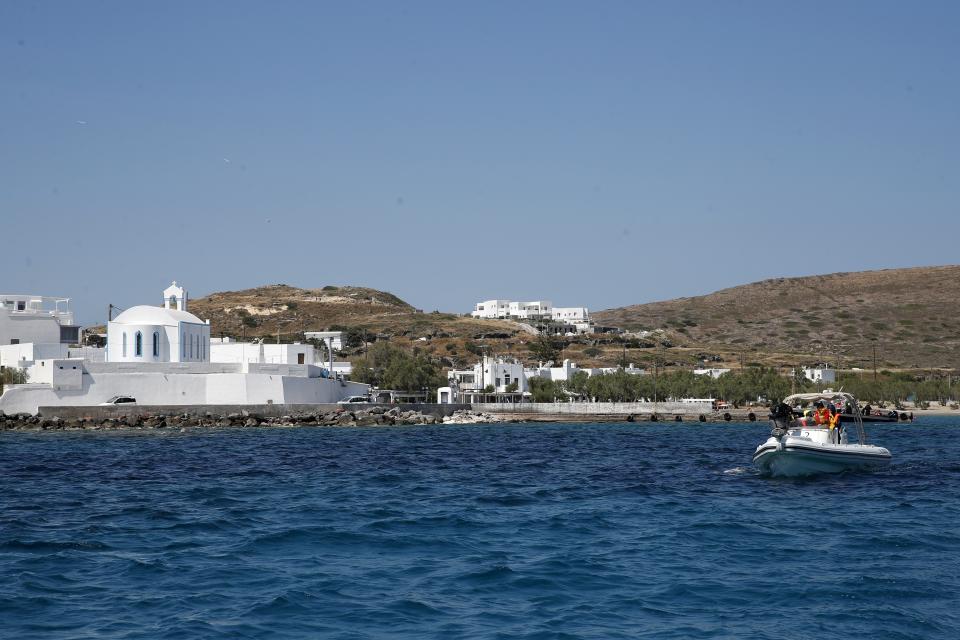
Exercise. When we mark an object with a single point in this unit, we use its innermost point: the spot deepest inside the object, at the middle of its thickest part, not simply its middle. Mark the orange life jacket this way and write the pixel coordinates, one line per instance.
(821, 416)
(834, 420)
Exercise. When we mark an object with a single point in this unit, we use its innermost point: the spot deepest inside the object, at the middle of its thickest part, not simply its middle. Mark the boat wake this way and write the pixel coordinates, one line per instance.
(737, 471)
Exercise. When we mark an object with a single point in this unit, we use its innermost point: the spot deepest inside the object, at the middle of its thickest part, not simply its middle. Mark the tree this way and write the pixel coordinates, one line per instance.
(390, 367)
(578, 383)
(12, 375)
(543, 390)
(546, 348)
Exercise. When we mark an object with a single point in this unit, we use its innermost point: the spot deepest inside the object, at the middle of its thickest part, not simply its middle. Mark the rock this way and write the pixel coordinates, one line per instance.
(251, 422)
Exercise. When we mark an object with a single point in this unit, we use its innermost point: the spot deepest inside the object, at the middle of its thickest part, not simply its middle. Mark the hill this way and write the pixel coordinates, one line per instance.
(263, 311)
(911, 316)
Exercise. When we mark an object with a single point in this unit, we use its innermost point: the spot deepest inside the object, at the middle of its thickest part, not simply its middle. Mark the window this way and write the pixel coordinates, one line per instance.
(156, 344)
(14, 340)
(124, 344)
(191, 347)
(183, 345)
(138, 345)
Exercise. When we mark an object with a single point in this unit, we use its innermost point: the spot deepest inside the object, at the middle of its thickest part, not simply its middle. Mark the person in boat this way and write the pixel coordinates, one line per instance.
(834, 420)
(821, 415)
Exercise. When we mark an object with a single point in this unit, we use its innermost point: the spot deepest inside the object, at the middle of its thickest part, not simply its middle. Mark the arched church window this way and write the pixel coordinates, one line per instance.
(138, 345)
(191, 347)
(124, 343)
(156, 344)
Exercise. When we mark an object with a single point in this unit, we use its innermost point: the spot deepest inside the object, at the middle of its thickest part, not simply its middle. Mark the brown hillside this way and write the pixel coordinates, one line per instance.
(912, 316)
(262, 311)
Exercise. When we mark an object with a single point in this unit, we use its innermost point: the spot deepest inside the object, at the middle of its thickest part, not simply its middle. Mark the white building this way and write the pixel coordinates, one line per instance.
(26, 354)
(713, 373)
(503, 309)
(228, 350)
(568, 319)
(334, 338)
(36, 319)
(820, 375)
(159, 334)
(492, 309)
(571, 315)
(467, 385)
(498, 373)
(76, 382)
(161, 356)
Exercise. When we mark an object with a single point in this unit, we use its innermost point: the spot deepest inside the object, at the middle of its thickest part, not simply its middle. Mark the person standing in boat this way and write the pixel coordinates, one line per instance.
(834, 413)
(821, 415)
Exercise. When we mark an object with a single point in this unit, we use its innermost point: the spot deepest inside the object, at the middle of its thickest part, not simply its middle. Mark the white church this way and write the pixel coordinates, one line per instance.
(159, 334)
(160, 356)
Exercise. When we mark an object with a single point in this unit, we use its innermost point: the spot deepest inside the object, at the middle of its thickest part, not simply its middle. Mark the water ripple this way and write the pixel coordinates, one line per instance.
(501, 531)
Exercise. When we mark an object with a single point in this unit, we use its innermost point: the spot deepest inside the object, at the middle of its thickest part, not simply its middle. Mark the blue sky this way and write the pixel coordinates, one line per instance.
(596, 154)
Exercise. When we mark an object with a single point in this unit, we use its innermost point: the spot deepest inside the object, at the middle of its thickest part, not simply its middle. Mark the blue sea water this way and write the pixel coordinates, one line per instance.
(491, 531)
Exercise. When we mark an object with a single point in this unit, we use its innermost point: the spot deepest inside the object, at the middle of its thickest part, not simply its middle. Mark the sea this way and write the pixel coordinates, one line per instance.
(634, 530)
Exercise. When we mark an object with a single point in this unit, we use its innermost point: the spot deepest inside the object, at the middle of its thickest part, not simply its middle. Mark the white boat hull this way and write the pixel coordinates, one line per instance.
(799, 456)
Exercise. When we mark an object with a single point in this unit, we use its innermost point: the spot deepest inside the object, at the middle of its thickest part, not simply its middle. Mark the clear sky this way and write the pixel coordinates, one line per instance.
(591, 153)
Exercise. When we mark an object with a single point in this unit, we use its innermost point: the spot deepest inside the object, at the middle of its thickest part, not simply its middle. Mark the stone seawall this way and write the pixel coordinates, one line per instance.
(618, 412)
(163, 417)
(263, 410)
(158, 417)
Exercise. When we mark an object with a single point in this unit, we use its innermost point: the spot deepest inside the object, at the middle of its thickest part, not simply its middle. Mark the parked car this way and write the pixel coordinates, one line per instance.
(355, 400)
(119, 400)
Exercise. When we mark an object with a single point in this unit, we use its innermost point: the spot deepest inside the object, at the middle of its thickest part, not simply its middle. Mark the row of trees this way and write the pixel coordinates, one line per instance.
(897, 388)
(390, 367)
(620, 386)
(750, 385)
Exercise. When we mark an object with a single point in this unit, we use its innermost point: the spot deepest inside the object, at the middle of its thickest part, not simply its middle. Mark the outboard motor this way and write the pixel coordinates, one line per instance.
(780, 418)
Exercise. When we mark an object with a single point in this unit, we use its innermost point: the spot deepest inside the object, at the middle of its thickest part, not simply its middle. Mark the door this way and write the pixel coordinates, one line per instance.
(300, 357)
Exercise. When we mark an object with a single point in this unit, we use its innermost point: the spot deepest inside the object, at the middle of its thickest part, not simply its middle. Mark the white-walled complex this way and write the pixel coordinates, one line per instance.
(569, 319)
(75, 382)
(508, 376)
(164, 356)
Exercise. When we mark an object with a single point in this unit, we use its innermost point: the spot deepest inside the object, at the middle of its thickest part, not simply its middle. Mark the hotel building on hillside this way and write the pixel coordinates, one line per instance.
(568, 319)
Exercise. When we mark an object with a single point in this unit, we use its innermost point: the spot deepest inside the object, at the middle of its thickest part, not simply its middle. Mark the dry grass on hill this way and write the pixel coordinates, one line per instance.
(912, 316)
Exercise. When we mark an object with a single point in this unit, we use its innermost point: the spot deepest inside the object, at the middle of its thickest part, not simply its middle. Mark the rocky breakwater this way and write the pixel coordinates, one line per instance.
(373, 416)
(464, 416)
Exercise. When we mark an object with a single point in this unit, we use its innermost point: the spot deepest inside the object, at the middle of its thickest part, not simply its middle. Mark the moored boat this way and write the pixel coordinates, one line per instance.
(797, 446)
